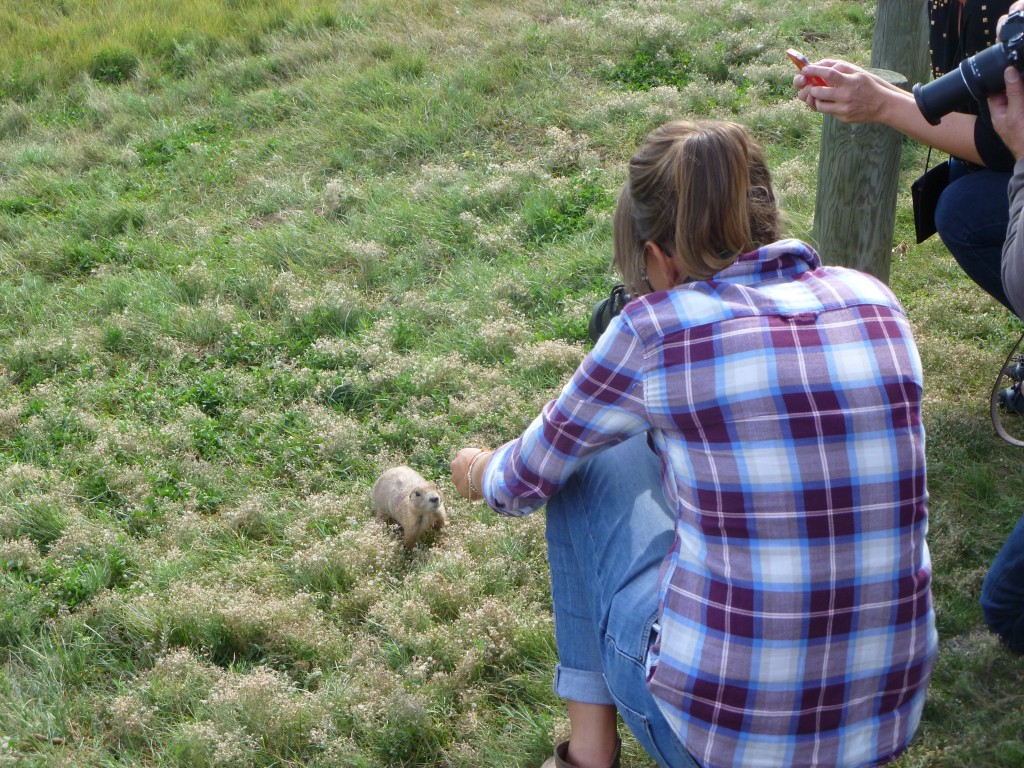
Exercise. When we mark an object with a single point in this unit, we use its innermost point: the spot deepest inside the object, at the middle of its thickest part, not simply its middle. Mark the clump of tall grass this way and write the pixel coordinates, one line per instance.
(109, 43)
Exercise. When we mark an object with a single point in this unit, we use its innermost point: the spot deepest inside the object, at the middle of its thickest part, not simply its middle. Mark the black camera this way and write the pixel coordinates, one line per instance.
(605, 310)
(977, 76)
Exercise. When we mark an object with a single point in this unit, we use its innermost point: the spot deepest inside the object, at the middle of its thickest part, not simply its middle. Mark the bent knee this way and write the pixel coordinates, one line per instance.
(1004, 616)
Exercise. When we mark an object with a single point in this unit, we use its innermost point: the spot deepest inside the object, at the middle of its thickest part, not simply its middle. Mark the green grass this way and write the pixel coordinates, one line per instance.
(252, 254)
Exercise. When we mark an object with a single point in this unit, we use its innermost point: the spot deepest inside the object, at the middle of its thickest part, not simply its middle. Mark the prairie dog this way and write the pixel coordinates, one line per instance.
(401, 494)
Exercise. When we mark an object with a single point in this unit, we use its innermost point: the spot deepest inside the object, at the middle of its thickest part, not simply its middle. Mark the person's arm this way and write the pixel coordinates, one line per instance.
(1008, 119)
(1013, 246)
(600, 406)
(855, 95)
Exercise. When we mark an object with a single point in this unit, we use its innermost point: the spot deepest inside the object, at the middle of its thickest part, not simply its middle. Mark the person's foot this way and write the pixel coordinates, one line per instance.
(561, 757)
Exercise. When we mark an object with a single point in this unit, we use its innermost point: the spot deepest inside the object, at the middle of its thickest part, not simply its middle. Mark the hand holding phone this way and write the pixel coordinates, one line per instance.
(801, 61)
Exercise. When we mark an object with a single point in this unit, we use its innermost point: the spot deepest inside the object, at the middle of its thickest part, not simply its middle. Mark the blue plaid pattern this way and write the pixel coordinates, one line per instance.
(784, 400)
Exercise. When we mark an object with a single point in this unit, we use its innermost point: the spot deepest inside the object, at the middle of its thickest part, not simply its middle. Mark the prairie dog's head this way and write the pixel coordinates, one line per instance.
(426, 497)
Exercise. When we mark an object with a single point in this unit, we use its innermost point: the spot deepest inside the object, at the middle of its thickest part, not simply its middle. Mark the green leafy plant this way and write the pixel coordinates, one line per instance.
(113, 65)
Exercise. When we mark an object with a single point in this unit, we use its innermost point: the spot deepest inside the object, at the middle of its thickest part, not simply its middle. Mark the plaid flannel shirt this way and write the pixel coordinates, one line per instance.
(783, 398)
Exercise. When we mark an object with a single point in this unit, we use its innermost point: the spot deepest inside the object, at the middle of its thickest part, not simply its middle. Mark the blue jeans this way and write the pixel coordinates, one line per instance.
(971, 218)
(1002, 593)
(608, 530)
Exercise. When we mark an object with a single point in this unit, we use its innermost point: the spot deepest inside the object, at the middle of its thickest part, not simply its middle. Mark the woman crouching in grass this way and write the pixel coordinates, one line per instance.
(735, 488)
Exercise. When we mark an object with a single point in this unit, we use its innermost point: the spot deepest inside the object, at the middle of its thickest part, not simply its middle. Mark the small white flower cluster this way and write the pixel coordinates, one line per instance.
(504, 178)
(252, 516)
(648, 26)
(303, 300)
(481, 402)
(21, 476)
(129, 157)
(567, 151)
(57, 348)
(553, 355)
(347, 558)
(176, 436)
(375, 355)
(181, 672)
(366, 252)
(494, 238)
(504, 332)
(574, 26)
(183, 527)
(433, 374)
(433, 177)
(120, 441)
(10, 419)
(658, 105)
(472, 221)
(211, 311)
(8, 754)
(130, 718)
(287, 284)
(430, 312)
(379, 697)
(267, 703)
(205, 743)
(334, 434)
(19, 554)
(339, 351)
(501, 238)
(244, 617)
(84, 538)
(325, 506)
(339, 197)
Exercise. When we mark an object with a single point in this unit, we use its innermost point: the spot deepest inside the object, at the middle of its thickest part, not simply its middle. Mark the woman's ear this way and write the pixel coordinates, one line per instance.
(662, 270)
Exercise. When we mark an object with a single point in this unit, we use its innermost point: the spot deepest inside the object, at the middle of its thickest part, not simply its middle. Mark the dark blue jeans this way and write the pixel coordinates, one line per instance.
(1002, 593)
(971, 217)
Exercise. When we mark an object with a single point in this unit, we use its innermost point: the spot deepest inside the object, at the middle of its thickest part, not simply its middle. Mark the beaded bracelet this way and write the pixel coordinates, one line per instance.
(469, 475)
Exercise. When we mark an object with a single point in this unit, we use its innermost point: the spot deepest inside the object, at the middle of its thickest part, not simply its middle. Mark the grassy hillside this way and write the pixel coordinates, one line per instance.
(254, 253)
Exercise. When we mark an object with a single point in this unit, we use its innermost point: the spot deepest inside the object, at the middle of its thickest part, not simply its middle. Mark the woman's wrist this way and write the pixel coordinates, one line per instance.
(475, 488)
(894, 106)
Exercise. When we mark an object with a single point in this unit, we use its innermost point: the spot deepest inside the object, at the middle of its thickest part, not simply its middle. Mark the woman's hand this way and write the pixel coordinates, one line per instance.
(469, 460)
(853, 94)
(1007, 111)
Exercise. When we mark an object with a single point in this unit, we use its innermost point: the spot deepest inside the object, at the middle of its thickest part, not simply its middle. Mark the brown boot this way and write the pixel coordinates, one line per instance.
(562, 752)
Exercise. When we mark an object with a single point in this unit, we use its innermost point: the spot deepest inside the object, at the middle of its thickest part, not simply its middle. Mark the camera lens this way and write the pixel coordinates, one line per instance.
(976, 78)
(605, 310)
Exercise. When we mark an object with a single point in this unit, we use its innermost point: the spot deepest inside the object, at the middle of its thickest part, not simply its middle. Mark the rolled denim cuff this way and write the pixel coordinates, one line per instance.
(585, 686)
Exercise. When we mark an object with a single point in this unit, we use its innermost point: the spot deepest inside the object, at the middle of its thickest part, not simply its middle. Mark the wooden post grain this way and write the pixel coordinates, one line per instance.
(900, 42)
(858, 181)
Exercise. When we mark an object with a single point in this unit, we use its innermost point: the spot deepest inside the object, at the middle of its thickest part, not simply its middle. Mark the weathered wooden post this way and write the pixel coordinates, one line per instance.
(900, 42)
(858, 181)
(859, 165)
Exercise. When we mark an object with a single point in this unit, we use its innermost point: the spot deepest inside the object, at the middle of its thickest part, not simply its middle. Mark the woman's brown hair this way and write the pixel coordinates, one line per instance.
(702, 192)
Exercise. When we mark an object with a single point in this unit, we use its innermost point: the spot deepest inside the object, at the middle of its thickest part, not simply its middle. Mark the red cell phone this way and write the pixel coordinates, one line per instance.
(801, 61)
